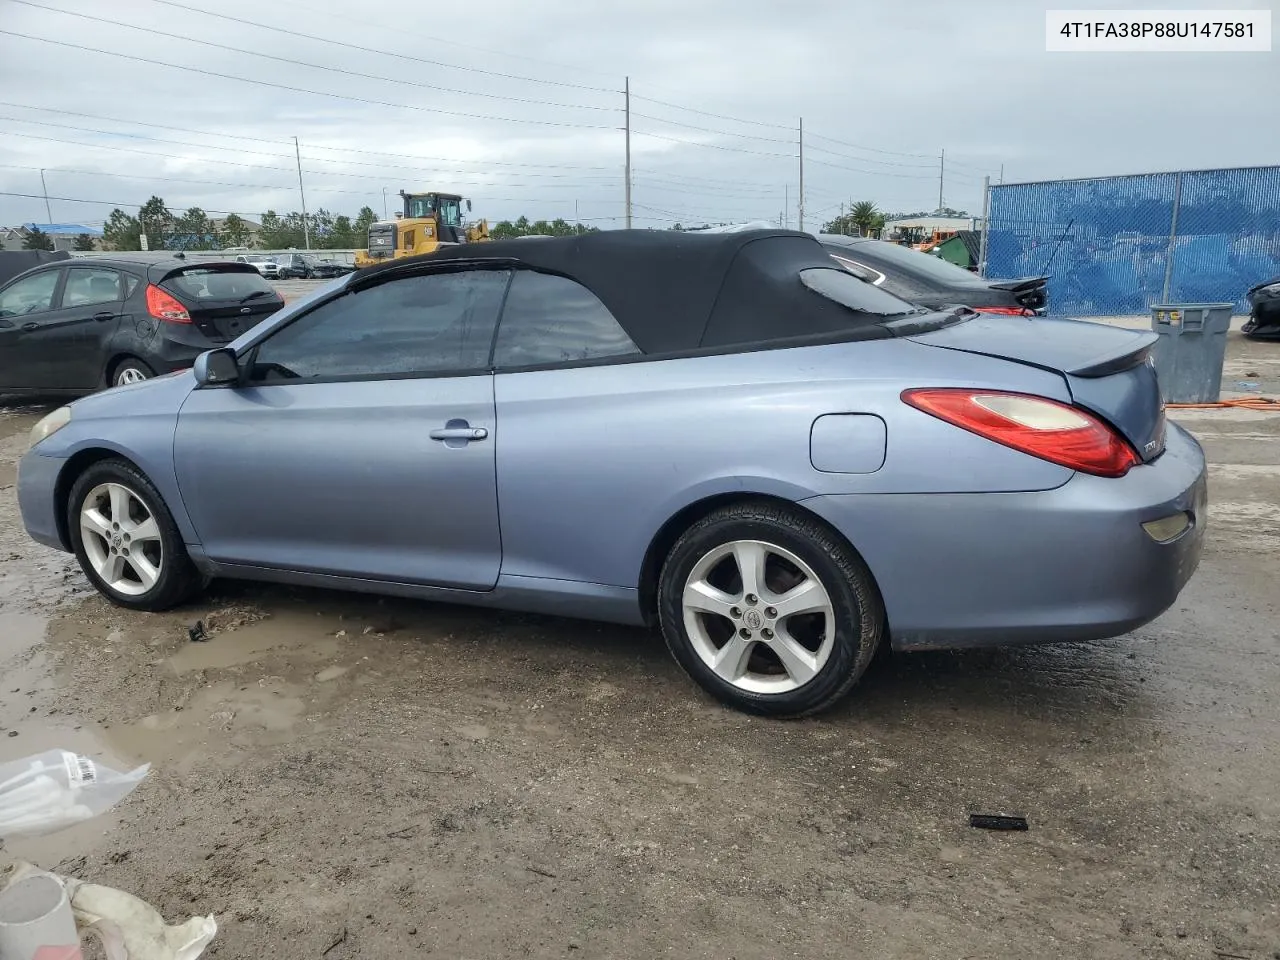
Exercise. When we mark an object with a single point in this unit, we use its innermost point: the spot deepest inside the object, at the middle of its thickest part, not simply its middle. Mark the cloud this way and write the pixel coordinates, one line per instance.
(519, 105)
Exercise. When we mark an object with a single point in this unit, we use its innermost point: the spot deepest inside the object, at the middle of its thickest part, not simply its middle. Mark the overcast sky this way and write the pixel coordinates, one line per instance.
(531, 120)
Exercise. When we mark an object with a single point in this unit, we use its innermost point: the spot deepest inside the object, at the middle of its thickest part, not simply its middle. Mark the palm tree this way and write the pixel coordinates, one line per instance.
(863, 216)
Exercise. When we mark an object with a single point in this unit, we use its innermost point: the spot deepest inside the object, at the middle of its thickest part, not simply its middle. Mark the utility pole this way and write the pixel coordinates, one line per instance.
(45, 190)
(986, 212)
(942, 166)
(626, 93)
(800, 208)
(306, 230)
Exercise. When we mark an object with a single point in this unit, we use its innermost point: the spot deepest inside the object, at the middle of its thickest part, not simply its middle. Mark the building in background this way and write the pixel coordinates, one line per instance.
(63, 235)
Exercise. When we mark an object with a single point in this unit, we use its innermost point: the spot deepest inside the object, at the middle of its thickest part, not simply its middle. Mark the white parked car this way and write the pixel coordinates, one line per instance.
(265, 265)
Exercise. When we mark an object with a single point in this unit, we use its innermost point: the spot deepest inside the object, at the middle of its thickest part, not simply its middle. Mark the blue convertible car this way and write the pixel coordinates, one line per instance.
(726, 436)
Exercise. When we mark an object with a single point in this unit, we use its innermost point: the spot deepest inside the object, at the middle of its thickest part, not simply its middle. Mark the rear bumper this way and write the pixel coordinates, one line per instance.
(37, 500)
(176, 346)
(1073, 563)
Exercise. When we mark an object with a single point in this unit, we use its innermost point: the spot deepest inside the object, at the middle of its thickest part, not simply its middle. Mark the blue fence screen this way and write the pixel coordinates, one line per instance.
(1117, 245)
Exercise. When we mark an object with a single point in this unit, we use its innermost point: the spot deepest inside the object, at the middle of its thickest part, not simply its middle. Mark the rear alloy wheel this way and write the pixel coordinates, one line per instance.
(768, 610)
(131, 371)
(126, 540)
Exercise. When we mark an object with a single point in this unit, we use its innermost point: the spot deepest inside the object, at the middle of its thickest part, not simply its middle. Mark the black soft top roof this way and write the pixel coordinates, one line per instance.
(674, 291)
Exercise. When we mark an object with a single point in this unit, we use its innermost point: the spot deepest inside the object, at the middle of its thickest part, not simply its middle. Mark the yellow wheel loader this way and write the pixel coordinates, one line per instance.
(427, 221)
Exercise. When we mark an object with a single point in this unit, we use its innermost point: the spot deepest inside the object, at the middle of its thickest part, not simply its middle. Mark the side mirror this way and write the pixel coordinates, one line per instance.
(216, 367)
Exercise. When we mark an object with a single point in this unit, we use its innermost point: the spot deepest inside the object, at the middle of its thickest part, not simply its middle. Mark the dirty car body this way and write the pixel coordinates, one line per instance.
(727, 436)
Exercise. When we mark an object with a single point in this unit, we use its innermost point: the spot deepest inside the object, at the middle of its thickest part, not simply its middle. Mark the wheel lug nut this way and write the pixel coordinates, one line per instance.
(769, 612)
(735, 613)
(752, 598)
(744, 633)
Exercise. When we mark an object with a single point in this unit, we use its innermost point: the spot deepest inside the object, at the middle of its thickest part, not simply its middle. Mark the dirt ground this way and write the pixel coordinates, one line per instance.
(338, 776)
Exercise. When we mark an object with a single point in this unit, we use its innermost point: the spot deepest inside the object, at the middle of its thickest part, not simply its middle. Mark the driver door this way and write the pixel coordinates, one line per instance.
(361, 440)
(25, 304)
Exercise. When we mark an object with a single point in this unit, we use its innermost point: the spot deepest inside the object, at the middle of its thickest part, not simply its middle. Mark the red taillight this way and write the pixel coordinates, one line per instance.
(164, 306)
(1007, 311)
(1037, 426)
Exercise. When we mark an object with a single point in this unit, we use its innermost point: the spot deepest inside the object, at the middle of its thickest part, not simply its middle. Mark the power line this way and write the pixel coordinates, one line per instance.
(400, 30)
(260, 153)
(311, 146)
(319, 93)
(152, 31)
(381, 53)
(360, 176)
(107, 203)
(707, 113)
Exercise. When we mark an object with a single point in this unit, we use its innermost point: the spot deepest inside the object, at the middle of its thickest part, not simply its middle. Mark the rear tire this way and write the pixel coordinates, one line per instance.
(130, 370)
(769, 610)
(126, 541)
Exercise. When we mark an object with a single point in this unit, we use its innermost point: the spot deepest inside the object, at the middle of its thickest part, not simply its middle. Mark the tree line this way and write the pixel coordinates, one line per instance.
(194, 229)
(521, 227)
(865, 219)
(37, 239)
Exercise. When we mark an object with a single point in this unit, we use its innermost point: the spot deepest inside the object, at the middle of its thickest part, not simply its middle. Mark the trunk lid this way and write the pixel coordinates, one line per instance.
(1108, 370)
(224, 299)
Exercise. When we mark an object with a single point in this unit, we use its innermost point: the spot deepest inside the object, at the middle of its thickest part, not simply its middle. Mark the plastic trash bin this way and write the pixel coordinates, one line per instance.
(1191, 348)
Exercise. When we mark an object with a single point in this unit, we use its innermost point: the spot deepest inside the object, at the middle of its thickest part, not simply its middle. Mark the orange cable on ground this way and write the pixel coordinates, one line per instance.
(1244, 403)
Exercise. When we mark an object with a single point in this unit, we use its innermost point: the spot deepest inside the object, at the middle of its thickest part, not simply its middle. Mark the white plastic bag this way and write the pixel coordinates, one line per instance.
(57, 789)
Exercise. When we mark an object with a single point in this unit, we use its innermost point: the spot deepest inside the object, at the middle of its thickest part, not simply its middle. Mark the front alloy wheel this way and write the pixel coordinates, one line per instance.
(121, 539)
(125, 538)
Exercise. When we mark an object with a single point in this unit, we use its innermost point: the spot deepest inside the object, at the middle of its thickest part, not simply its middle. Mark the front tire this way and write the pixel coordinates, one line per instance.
(126, 541)
(768, 610)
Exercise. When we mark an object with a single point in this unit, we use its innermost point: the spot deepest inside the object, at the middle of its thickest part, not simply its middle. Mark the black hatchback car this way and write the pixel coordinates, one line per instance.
(75, 326)
(930, 281)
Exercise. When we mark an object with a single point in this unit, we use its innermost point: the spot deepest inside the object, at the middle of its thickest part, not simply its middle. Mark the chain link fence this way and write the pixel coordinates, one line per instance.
(1115, 246)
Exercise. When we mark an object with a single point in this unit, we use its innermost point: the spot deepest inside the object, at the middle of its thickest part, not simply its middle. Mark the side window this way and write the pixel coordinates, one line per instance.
(86, 286)
(29, 295)
(551, 319)
(435, 323)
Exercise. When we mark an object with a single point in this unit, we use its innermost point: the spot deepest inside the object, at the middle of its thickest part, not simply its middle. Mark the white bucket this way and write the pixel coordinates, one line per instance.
(36, 922)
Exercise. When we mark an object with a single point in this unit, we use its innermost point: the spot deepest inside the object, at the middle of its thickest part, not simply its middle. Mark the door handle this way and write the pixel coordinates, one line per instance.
(459, 433)
(31, 325)
(105, 315)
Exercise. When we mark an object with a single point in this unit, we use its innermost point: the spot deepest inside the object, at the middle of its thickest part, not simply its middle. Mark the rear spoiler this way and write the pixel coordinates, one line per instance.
(1018, 286)
(1028, 291)
(1125, 360)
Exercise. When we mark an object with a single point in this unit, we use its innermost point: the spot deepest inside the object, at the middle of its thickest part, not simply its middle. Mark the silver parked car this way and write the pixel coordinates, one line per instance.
(725, 435)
